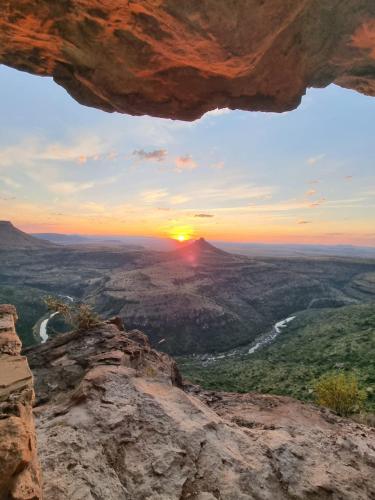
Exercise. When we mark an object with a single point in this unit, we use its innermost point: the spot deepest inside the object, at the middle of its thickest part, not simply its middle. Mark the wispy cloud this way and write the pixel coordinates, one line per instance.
(66, 188)
(313, 182)
(154, 195)
(35, 149)
(154, 155)
(304, 222)
(204, 216)
(219, 165)
(317, 203)
(179, 199)
(237, 193)
(9, 182)
(313, 160)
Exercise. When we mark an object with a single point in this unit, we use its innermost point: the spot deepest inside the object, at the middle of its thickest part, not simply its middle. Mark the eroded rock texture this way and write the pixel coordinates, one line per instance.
(115, 423)
(19, 468)
(179, 59)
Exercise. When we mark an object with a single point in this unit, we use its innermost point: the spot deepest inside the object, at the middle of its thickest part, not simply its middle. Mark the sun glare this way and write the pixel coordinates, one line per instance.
(181, 233)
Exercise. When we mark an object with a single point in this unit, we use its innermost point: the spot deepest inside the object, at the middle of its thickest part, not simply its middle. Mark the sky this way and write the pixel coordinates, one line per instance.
(305, 176)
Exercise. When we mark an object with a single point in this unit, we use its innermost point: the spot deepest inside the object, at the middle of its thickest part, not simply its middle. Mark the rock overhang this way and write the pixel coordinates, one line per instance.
(178, 60)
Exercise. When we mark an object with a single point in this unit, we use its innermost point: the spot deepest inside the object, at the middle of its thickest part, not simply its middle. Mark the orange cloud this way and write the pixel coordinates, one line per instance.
(318, 203)
(185, 163)
(311, 192)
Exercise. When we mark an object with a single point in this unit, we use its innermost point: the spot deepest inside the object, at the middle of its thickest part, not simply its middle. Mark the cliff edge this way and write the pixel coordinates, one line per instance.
(114, 421)
(19, 468)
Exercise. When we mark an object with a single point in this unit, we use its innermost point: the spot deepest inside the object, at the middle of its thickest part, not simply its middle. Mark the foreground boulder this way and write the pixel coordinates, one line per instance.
(114, 422)
(19, 468)
(179, 59)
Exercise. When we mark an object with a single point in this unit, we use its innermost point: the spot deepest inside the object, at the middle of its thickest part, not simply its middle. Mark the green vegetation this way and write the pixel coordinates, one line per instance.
(340, 392)
(315, 343)
(30, 307)
(80, 316)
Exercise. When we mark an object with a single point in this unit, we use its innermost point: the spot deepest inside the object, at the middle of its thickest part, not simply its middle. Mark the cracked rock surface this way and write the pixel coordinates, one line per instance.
(114, 421)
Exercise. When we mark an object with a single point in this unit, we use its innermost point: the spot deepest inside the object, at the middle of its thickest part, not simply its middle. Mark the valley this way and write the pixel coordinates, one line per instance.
(194, 300)
(317, 341)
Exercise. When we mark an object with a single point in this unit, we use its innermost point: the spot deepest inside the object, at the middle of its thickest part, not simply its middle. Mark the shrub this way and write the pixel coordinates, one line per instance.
(340, 392)
(85, 318)
(80, 316)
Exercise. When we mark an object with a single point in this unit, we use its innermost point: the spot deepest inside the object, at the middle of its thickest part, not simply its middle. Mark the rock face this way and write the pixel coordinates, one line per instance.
(114, 422)
(180, 59)
(20, 474)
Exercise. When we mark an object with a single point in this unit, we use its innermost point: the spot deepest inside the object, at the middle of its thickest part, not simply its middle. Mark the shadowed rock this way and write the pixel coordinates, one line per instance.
(179, 59)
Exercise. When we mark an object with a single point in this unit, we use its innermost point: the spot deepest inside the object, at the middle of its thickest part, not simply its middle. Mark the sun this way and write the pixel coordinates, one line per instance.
(181, 233)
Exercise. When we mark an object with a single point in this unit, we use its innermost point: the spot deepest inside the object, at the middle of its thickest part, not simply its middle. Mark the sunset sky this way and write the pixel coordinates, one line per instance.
(307, 176)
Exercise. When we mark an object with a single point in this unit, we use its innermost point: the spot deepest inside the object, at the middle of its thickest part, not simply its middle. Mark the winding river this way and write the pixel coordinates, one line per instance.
(40, 328)
(43, 327)
(276, 330)
(263, 340)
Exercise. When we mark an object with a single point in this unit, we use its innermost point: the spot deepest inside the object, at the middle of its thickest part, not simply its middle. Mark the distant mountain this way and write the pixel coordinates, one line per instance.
(158, 244)
(199, 251)
(63, 239)
(248, 249)
(13, 238)
(296, 250)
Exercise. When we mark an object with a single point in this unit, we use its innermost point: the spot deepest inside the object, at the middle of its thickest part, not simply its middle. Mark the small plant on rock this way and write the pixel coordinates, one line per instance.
(340, 392)
(80, 316)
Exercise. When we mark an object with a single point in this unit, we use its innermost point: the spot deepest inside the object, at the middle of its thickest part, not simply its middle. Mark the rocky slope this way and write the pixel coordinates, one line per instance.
(115, 422)
(180, 59)
(11, 238)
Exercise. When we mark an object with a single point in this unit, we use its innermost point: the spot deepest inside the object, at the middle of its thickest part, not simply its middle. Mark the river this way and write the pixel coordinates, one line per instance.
(41, 326)
(262, 341)
(276, 330)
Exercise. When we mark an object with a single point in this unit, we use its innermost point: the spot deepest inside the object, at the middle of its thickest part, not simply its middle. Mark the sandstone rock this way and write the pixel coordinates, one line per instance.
(117, 427)
(180, 59)
(19, 468)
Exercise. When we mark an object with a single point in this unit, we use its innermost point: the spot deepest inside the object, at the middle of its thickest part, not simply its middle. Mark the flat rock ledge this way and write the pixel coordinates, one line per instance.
(19, 467)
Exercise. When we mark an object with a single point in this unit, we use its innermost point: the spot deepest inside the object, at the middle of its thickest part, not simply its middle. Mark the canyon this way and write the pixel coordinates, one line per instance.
(193, 300)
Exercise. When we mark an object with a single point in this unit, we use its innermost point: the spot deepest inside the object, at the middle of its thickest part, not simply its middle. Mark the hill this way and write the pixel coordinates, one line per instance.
(201, 299)
(13, 238)
(316, 342)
